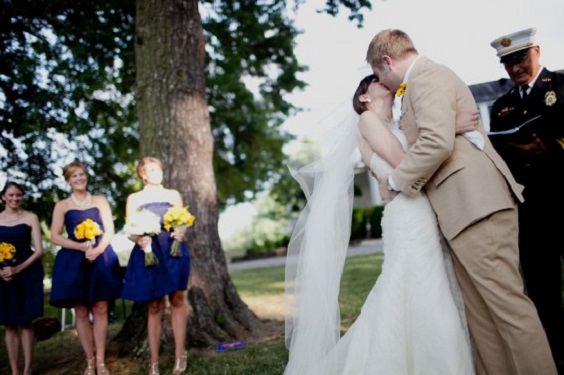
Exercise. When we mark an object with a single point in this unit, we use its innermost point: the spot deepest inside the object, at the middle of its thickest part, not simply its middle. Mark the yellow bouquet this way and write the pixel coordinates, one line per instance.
(87, 230)
(175, 218)
(7, 252)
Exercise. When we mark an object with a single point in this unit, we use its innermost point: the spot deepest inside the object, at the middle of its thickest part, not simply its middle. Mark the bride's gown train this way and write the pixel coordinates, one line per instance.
(409, 323)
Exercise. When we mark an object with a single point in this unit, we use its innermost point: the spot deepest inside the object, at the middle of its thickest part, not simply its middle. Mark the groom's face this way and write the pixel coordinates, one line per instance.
(387, 76)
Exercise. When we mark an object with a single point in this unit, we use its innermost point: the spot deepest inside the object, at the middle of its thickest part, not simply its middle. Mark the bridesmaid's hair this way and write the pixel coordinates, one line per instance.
(362, 88)
(147, 160)
(69, 169)
(10, 184)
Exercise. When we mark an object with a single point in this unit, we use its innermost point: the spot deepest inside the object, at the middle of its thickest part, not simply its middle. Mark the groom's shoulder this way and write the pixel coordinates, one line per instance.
(433, 67)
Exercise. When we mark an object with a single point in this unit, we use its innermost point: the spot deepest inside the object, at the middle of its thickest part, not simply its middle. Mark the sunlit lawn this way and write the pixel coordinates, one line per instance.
(261, 289)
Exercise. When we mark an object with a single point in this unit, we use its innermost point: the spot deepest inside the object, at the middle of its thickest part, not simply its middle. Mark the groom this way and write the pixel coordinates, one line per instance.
(473, 194)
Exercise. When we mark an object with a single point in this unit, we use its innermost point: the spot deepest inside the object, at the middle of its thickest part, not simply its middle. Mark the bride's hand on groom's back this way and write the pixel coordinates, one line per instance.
(385, 193)
(467, 122)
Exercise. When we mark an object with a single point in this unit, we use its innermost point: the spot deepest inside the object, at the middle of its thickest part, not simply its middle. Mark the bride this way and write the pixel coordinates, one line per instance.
(412, 321)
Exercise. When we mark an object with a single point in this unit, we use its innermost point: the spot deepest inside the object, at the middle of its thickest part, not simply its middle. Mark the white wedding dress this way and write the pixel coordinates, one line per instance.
(412, 322)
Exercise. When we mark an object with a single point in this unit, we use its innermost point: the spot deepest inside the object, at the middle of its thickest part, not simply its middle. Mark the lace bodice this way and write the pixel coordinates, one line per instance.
(381, 167)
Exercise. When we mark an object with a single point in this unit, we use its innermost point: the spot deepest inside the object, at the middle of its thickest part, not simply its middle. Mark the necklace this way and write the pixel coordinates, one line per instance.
(18, 215)
(84, 203)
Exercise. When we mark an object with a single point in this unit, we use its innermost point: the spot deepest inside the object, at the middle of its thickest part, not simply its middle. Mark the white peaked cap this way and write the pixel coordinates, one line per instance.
(514, 42)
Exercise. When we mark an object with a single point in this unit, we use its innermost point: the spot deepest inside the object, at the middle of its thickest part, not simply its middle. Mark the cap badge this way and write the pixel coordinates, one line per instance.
(550, 98)
(506, 42)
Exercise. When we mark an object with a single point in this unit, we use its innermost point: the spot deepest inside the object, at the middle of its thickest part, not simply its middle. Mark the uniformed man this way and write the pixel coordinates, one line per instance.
(527, 130)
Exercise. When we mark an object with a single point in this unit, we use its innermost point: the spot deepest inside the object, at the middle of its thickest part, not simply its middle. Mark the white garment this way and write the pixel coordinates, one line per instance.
(476, 138)
(409, 323)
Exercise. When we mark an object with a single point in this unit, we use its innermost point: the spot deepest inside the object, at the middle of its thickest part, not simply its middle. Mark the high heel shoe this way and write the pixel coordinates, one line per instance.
(180, 364)
(154, 369)
(101, 368)
(89, 367)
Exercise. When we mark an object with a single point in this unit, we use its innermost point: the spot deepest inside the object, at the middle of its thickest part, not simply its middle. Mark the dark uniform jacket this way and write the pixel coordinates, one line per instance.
(540, 113)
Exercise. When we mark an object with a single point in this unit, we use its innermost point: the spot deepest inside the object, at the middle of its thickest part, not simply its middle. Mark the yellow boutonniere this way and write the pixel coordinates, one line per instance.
(401, 90)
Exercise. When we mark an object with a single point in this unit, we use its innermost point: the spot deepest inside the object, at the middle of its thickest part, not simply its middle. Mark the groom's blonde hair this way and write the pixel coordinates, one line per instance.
(392, 42)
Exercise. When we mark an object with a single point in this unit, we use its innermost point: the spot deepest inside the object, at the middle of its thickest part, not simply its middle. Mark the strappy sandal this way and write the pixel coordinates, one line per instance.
(180, 364)
(154, 369)
(101, 368)
(89, 367)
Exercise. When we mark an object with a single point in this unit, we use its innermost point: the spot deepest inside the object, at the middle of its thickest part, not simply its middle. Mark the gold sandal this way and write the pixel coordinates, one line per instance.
(101, 368)
(154, 369)
(180, 369)
(89, 367)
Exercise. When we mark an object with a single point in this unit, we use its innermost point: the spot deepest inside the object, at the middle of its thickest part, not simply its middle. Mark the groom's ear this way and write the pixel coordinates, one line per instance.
(387, 62)
(364, 98)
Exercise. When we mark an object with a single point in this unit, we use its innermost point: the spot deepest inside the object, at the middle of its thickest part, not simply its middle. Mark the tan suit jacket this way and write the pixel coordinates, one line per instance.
(463, 183)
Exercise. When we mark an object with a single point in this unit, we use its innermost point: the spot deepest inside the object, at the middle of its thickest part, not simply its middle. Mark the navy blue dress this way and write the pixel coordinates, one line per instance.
(75, 278)
(21, 299)
(144, 283)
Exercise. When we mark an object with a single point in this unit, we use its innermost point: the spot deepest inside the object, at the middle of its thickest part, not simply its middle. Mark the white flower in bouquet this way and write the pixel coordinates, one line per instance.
(144, 223)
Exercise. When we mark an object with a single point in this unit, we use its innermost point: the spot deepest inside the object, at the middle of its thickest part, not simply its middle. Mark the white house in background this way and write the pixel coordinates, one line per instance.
(366, 186)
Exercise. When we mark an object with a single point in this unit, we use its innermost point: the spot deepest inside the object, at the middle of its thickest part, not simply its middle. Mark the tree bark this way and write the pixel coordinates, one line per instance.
(175, 127)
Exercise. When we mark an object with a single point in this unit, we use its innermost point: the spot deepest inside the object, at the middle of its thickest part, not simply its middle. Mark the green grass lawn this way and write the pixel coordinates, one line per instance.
(261, 289)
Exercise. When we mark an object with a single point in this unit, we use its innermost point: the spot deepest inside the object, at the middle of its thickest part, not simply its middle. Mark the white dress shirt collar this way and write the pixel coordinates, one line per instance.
(406, 76)
(532, 83)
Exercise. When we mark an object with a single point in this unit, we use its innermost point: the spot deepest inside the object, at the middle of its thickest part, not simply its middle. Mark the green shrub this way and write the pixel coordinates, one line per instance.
(358, 224)
(374, 215)
(266, 246)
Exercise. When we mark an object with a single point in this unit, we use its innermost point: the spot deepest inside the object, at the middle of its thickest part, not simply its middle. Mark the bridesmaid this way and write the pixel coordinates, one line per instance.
(86, 274)
(21, 281)
(169, 277)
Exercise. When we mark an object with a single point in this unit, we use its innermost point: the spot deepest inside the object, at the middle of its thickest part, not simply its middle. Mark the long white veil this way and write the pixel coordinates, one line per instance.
(318, 246)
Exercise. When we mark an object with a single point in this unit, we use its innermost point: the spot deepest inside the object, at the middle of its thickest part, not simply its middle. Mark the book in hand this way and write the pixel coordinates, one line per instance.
(232, 345)
(515, 129)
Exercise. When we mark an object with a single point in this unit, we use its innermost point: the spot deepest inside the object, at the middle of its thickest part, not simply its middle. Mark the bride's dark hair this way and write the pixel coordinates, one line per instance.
(359, 106)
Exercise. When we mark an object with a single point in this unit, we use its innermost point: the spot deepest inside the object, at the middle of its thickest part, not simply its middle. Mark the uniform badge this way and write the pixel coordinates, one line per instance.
(550, 98)
(503, 112)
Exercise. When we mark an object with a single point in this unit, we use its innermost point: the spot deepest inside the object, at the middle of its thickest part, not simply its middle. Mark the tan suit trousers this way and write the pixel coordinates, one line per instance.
(506, 330)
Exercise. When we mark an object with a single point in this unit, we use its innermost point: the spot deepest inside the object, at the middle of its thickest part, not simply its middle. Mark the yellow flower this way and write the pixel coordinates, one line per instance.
(87, 230)
(7, 251)
(175, 218)
(401, 90)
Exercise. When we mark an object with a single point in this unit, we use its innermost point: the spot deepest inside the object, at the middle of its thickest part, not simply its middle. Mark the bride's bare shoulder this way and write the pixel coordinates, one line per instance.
(369, 121)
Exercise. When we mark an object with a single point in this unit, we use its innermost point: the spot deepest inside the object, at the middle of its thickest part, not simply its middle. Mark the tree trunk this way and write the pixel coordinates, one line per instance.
(175, 127)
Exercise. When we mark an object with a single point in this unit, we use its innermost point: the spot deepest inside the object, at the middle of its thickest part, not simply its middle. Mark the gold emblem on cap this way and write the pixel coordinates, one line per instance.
(550, 98)
(506, 42)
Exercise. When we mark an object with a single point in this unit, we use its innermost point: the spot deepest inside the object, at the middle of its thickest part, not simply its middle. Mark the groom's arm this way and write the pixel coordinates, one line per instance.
(433, 100)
